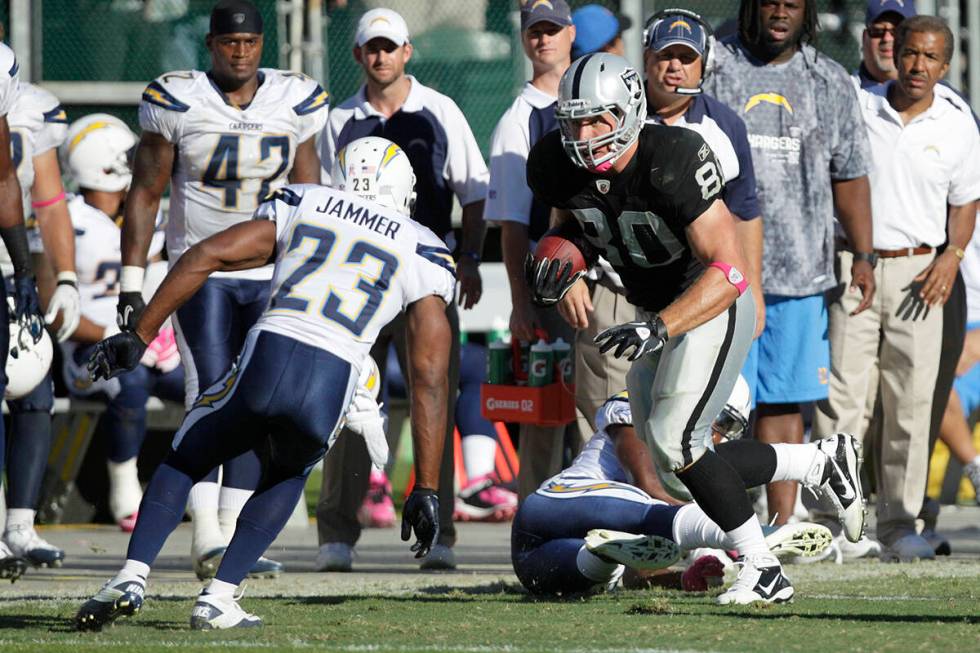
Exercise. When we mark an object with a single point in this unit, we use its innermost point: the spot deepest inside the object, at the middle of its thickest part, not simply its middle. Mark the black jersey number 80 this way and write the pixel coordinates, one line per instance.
(640, 238)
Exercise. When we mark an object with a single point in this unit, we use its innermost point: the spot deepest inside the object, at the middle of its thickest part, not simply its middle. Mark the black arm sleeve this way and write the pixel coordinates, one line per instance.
(15, 240)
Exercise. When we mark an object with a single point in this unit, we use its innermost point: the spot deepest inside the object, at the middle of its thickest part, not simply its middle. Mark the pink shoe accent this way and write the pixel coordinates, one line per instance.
(484, 499)
(127, 524)
(378, 510)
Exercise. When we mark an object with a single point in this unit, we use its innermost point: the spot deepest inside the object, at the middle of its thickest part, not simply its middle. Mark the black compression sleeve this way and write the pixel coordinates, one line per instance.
(754, 461)
(15, 239)
(718, 489)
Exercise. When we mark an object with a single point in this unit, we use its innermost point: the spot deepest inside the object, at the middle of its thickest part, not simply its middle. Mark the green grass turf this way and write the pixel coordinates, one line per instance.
(920, 610)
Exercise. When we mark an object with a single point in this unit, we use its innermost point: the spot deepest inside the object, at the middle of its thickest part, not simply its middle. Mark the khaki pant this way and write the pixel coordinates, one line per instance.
(599, 376)
(347, 466)
(890, 351)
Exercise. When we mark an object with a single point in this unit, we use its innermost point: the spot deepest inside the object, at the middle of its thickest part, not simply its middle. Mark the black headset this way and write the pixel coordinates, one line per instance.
(707, 57)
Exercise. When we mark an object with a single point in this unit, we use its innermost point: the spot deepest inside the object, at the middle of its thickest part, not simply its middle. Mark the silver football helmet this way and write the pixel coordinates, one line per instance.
(593, 85)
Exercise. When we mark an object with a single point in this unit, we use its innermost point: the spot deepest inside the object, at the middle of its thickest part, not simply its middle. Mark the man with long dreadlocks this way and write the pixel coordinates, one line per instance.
(811, 156)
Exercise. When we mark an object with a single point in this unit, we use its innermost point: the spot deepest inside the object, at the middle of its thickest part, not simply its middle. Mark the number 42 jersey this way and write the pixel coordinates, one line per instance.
(228, 158)
(345, 267)
(636, 219)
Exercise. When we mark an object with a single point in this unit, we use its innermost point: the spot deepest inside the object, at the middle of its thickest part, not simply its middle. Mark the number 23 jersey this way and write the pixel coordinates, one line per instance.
(345, 267)
(228, 158)
(636, 220)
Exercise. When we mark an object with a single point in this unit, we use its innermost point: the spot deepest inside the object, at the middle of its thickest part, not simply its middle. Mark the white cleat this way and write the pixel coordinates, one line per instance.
(860, 550)
(439, 557)
(212, 612)
(636, 551)
(760, 580)
(801, 539)
(841, 482)
(27, 544)
(334, 556)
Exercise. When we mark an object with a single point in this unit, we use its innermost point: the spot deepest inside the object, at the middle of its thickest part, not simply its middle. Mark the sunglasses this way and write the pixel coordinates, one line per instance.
(879, 32)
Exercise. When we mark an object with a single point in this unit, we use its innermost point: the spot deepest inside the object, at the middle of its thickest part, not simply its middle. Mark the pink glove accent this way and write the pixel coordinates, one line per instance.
(162, 351)
(706, 572)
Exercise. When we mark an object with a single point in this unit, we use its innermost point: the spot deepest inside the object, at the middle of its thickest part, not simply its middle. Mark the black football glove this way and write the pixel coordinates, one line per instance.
(644, 337)
(116, 355)
(421, 513)
(27, 307)
(129, 309)
(548, 279)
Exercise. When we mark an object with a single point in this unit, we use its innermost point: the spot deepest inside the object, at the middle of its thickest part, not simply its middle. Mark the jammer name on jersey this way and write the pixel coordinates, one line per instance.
(360, 215)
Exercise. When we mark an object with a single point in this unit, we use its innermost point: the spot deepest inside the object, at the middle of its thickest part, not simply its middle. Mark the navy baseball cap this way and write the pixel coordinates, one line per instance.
(553, 11)
(595, 26)
(677, 29)
(904, 8)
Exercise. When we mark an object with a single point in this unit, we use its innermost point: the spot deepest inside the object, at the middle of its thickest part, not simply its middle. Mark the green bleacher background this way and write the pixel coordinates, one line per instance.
(116, 40)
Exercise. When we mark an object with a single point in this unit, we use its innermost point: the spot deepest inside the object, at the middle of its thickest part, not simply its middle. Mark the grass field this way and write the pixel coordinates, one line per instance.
(855, 607)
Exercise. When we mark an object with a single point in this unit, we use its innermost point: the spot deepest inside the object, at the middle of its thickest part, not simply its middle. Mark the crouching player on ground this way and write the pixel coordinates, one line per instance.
(580, 528)
(294, 379)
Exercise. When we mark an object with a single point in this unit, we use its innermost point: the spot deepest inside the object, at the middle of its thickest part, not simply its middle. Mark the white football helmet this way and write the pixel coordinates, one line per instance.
(378, 170)
(595, 84)
(96, 152)
(27, 361)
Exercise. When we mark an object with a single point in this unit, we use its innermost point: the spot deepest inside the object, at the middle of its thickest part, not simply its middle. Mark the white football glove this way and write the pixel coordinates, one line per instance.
(364, 418)
(67, 301)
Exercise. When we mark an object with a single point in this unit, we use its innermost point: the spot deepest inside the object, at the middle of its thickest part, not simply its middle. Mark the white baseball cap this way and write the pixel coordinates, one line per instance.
(383, 23)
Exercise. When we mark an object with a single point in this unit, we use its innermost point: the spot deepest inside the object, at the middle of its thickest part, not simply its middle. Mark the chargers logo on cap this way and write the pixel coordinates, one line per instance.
(770, 98)
(542, 3)
(680, 22)
(380, 19)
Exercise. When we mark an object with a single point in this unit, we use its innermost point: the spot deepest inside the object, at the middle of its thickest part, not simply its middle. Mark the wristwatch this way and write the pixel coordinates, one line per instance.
(870, 257)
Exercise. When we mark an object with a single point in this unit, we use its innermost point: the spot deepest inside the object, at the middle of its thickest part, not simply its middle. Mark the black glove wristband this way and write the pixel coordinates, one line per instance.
(659, 328)
(423, 491)
(15, 240)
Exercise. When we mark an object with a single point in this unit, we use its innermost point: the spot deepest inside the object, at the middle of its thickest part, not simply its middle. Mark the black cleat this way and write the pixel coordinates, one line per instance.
(122, 600)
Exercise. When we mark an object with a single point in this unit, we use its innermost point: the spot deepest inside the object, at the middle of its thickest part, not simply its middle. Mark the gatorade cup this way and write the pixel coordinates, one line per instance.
(564, 365)
(499, 368)
(542, 363)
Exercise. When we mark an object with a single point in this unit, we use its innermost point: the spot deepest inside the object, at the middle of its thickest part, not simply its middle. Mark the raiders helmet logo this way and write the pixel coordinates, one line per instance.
(602, 185)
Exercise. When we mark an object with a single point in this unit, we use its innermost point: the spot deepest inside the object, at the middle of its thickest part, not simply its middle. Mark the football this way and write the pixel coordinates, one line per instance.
(556, 247)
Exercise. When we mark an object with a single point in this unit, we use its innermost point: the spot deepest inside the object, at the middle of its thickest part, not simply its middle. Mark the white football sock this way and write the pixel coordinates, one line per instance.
(220, 588)
(693, 529)
(749, 541)
(799, 462)
(595, 568)
(125, 491)
(133, 569)
(202, 505)
(479, 455)
(231, 500)
(20, 519)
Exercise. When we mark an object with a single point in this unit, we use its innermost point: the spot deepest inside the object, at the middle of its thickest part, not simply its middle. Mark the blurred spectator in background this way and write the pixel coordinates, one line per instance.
(926, 152)
(810, 151)
(447, 161)
(675, 59)
(421, 17)
(598, 30)
(547, 33)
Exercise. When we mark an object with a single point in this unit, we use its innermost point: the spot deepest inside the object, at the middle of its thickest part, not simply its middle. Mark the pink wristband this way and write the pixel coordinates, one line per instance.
(734, 277)
(57, 198)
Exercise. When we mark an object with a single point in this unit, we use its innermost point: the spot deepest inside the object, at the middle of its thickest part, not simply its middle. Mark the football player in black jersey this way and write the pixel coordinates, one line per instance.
(647, 198)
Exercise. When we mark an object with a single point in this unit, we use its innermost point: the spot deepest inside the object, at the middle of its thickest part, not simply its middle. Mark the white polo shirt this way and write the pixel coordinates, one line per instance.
(508, 197)
(918, 169)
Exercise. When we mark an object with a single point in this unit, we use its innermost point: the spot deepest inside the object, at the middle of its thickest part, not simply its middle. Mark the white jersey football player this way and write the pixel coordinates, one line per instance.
(26, 311)
(347, 262)
(38, 126)
(223, 140)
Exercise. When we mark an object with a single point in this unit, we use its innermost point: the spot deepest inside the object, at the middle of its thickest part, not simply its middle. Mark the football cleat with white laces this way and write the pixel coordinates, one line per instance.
(12, 566)
(122, 599)
(213, 612)
(840, 483)
(803, 539)
(760, 580)
(27, 544)
(636, 551)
